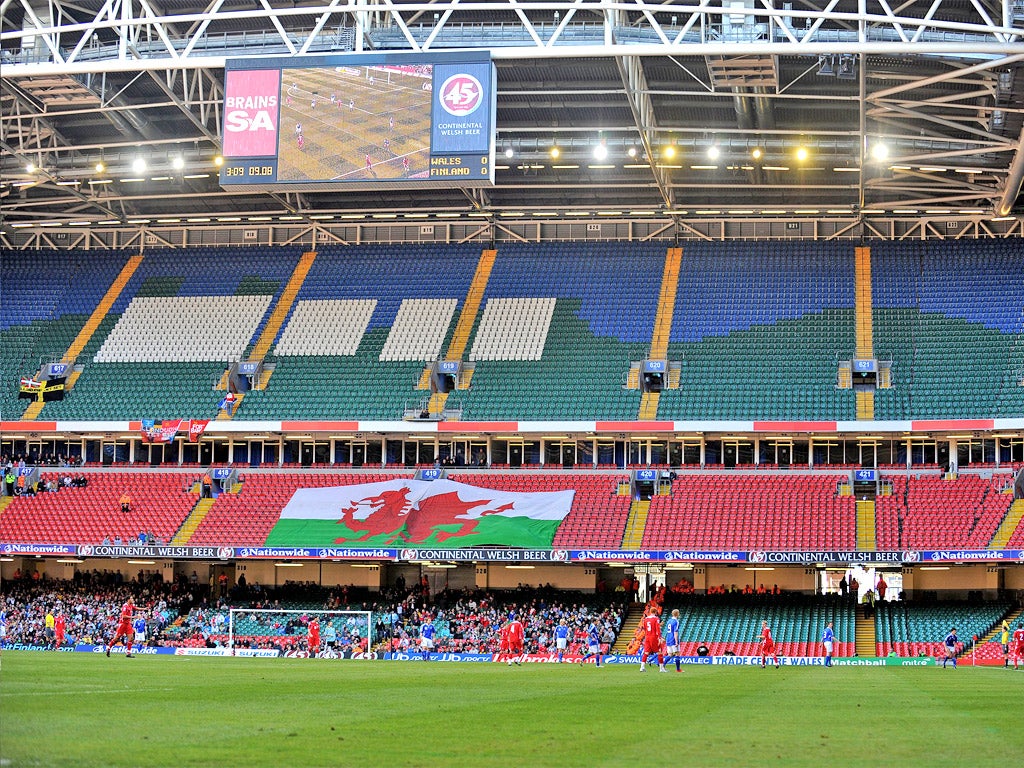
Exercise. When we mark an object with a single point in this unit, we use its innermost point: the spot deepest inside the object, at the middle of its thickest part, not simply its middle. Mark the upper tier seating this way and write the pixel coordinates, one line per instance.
(181, 319)
(46, 298)
(751, 512)
(758, 328)
(951, 317)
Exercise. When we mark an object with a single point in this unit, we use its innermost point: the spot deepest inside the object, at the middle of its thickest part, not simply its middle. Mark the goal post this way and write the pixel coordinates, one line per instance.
(340, 631)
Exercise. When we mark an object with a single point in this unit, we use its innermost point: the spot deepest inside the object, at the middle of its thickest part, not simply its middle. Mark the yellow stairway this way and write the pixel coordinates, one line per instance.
(4, 501)
(223, 415)
(270, 330)
(866, 526)
(1008, 526)
(464, 326)
(1012, 618)
(864, 328)
(195, 517)
(662, 326)
(630, 624)
(867, 641)
(633, 378)
(635, 524)
(649, 406)
(283, 306)
(99, 312)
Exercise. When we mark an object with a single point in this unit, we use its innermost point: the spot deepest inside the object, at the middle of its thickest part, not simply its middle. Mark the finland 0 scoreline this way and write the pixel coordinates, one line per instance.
(359, 122)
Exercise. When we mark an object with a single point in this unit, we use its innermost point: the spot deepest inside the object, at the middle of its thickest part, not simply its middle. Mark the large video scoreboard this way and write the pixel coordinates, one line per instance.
(359, 122)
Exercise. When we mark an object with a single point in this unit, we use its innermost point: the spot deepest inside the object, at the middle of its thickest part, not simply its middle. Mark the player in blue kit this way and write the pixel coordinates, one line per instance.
(593, 644)
(139, 625)
(828, 639)
(949, 643)
(561, 639)
(672, 638)
(427, 639)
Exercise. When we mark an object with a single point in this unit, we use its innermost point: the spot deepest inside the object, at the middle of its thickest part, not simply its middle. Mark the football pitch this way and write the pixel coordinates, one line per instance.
(72, 709)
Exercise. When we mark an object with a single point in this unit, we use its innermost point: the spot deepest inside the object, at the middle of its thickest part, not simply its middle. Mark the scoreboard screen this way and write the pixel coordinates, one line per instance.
(362, 121)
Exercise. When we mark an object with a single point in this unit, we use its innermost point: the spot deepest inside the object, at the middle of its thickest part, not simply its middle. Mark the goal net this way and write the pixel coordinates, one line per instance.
(342, 633)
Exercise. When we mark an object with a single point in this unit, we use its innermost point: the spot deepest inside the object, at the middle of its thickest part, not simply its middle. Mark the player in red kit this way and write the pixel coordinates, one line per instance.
(124, 632)
(59, 630)
(767, 645)
(515, 636)
(1018, 645)
(502, 642)
(313, 636)
(651, 626)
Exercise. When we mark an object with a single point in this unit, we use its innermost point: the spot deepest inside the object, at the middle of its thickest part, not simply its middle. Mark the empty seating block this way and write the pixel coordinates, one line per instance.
(914, 628)
(932, 513)
(177, 329)
(160, 502)
(728, 624)
(326, 327)
(420, 328)
(751, 512)
(513, 329)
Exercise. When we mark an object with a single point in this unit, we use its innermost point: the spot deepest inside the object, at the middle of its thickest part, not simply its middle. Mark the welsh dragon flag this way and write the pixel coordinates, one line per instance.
(419, 513)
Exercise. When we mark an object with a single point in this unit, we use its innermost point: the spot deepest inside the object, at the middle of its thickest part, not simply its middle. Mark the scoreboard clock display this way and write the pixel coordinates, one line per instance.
(359, 122)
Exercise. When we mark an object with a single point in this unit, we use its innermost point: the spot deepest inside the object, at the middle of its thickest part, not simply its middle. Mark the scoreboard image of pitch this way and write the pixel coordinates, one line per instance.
(359, 122)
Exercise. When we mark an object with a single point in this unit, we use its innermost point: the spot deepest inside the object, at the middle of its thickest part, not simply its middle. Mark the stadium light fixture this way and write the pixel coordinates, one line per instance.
(509, 152)
(802, 154)
(138, 165)
(600, 151)
(177, 162)
(631, 151)
(880, 152)
(287, 565)
(713, 152)
(669, 152)
(518, 567)
(757, 153)
(100, 167)
(30, 168)
(555, 153)
(142, 562)
(218, 161)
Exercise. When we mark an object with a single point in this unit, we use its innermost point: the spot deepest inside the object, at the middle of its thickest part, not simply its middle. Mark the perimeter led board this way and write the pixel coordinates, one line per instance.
(359, 122)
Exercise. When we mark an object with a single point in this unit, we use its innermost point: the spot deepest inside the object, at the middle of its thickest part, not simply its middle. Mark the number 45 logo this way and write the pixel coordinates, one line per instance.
(461, 95)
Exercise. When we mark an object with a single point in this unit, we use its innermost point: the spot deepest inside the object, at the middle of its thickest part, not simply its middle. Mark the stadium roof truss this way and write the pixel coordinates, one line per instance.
(910, 111)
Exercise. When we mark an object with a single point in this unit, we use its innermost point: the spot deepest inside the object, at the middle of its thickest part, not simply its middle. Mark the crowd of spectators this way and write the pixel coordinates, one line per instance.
(184, 612)
(90, 605)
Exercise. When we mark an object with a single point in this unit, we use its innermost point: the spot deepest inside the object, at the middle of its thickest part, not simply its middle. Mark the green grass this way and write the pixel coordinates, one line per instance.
(87, 710)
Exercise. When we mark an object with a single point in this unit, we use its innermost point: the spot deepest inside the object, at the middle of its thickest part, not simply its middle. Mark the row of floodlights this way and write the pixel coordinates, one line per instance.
(879, 152)
(139, 165)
